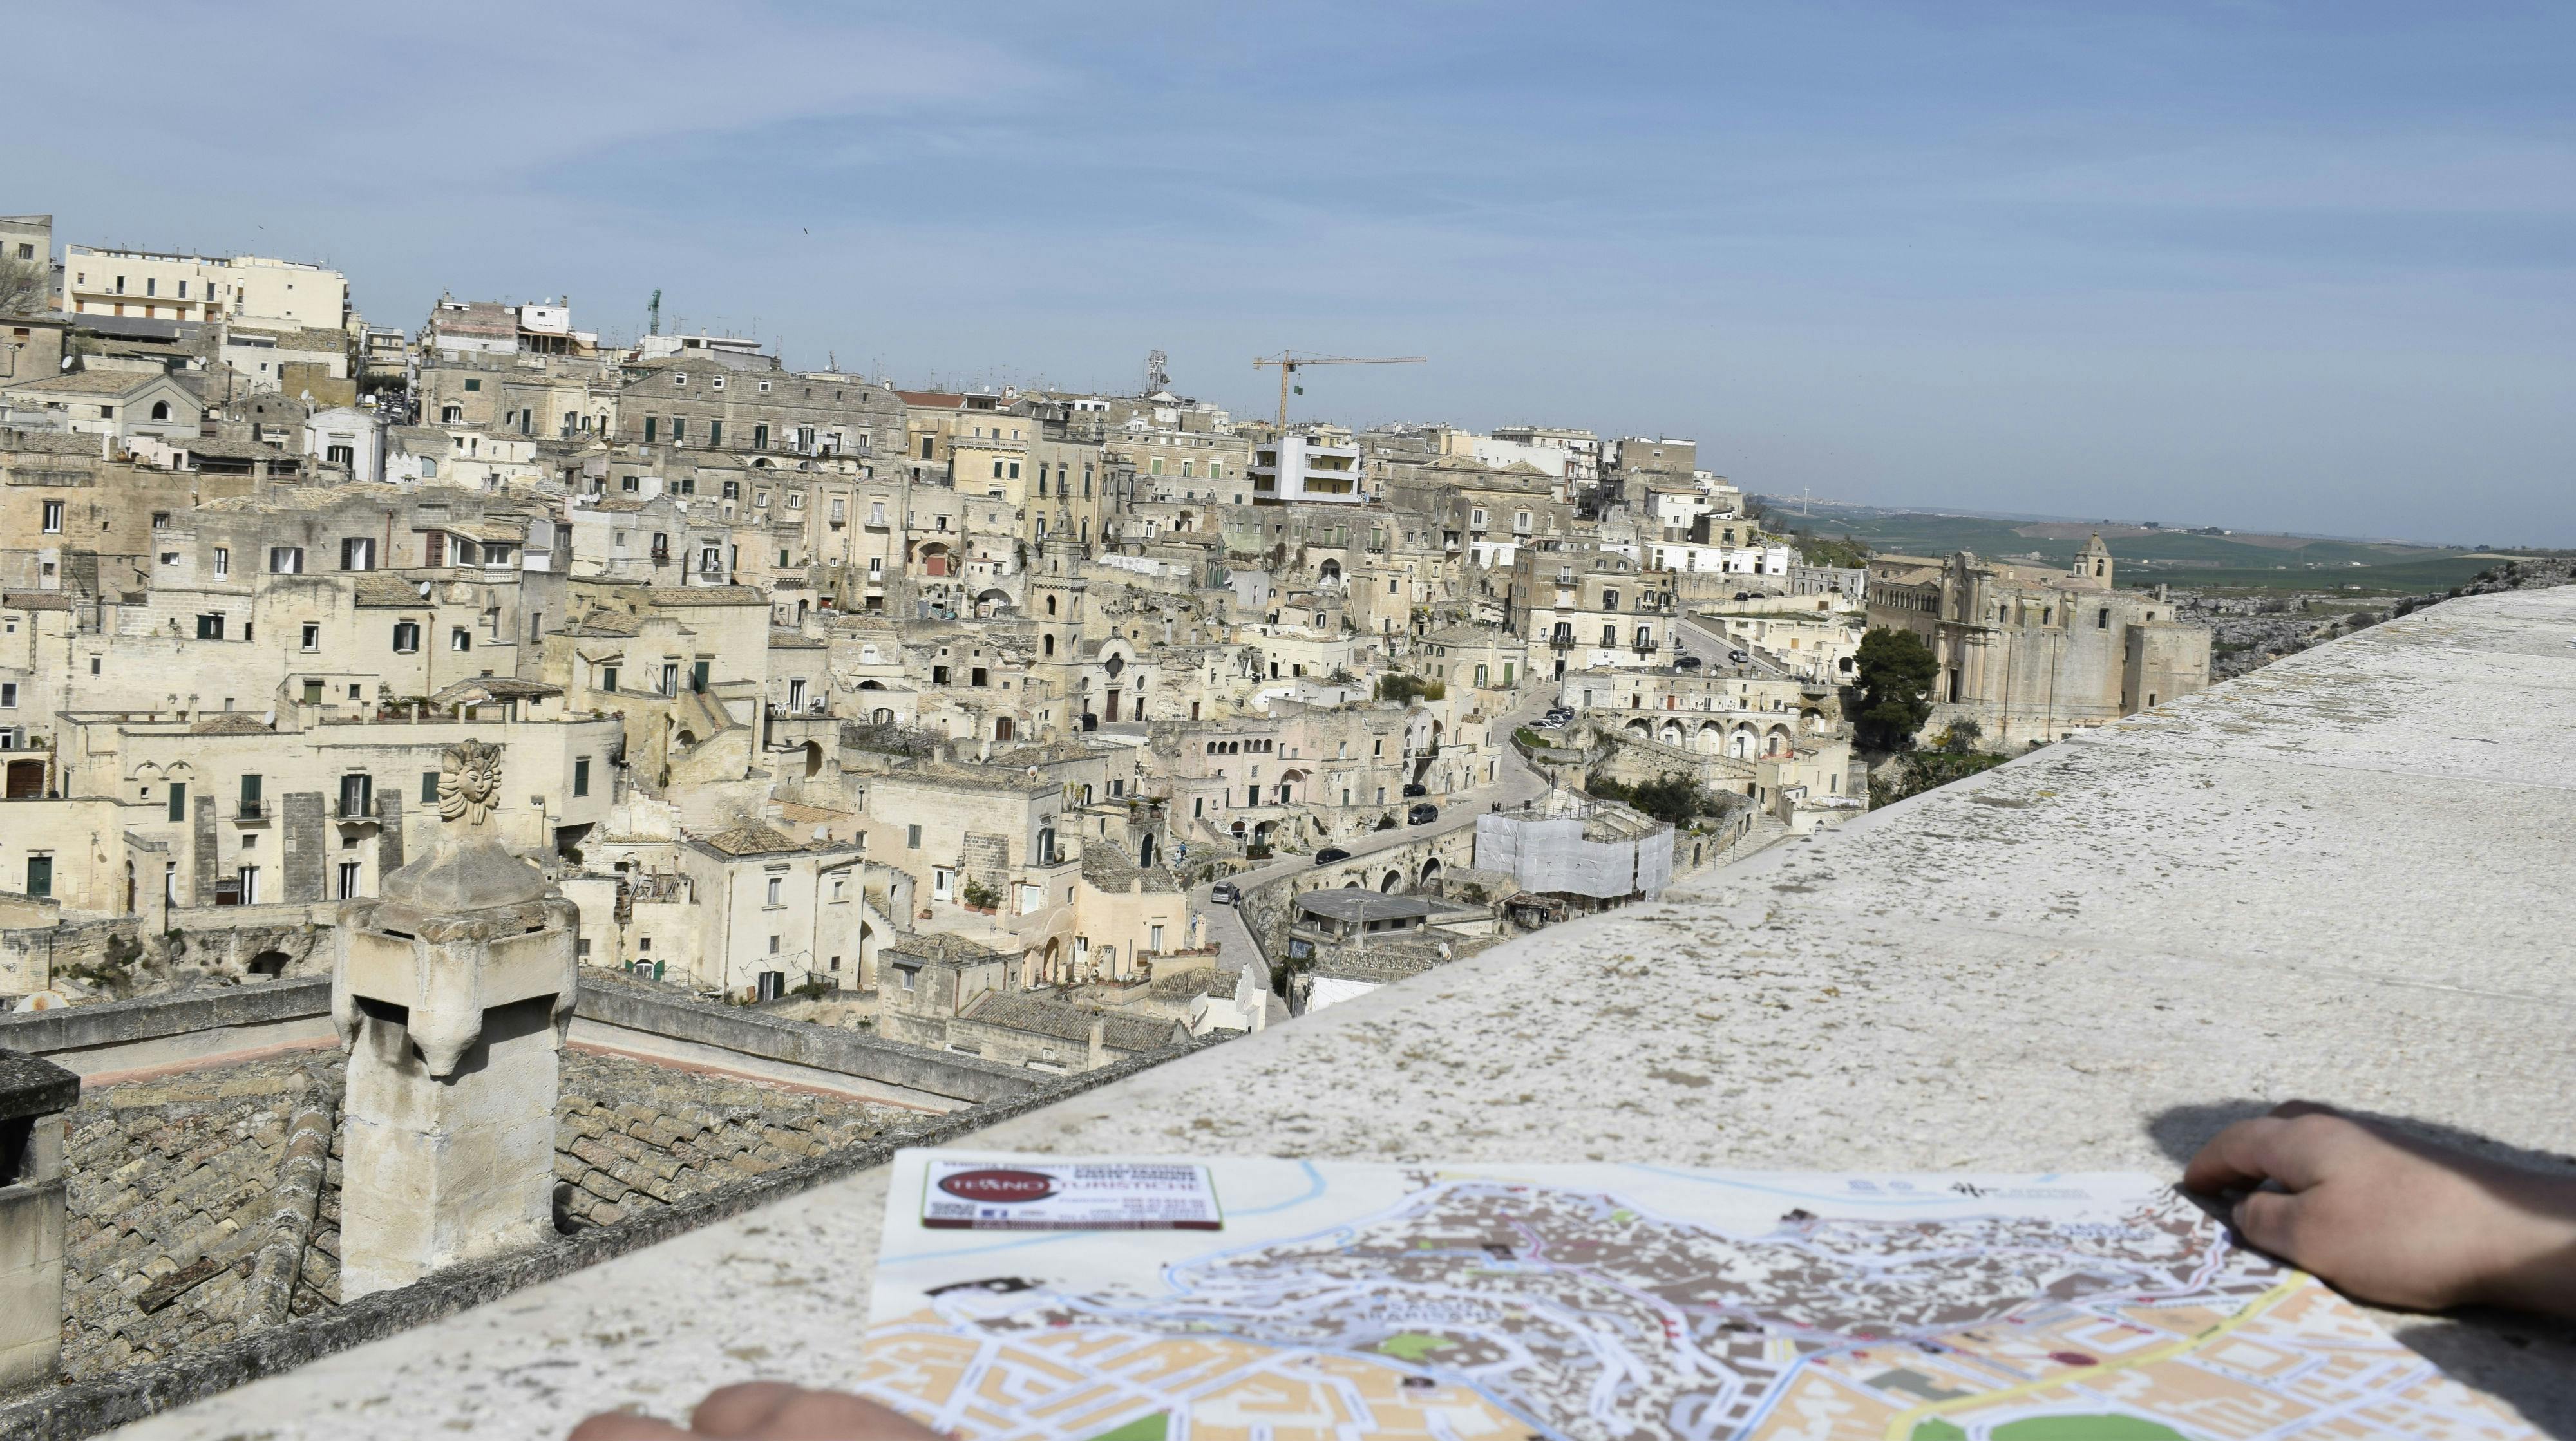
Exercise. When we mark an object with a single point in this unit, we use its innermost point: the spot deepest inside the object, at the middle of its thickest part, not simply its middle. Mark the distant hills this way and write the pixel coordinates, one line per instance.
(2148, 555)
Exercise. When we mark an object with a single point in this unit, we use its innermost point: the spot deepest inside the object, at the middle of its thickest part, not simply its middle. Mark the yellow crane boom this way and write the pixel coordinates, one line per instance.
(1289, 362)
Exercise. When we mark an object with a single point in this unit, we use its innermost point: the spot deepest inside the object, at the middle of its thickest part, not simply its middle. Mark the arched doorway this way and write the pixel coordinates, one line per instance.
(1049, 963)
(1332, 570)
(1386, 883)
(1145, 850)
(1430, 869)
(813, 758)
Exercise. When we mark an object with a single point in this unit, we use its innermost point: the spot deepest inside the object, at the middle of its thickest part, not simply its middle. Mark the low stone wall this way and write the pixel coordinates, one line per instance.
(157, 1031)
(635, 1020)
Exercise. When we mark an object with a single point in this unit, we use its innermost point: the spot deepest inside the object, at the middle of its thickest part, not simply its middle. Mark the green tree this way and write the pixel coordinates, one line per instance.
(1892, 690)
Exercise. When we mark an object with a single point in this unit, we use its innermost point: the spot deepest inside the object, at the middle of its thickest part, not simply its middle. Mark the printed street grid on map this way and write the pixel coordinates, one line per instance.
(1606, 1301)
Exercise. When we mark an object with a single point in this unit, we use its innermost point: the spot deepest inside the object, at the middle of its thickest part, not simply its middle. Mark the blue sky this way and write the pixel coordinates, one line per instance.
(2299, 266)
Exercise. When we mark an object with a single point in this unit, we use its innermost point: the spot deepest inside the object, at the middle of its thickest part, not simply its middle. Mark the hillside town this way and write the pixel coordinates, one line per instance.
(803, 680)
(688, 766)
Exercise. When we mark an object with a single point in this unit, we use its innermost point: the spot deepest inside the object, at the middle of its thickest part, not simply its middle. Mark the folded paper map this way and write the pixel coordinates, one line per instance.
(1343, 1299)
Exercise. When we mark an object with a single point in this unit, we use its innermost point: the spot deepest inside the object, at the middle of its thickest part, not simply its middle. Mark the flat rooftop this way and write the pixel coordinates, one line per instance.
(2343, 876)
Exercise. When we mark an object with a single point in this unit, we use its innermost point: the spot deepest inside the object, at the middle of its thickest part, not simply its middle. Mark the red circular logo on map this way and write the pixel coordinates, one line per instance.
(999, 1185)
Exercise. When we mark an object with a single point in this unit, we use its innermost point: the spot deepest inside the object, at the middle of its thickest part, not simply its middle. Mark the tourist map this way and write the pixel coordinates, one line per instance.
(1341, 1300)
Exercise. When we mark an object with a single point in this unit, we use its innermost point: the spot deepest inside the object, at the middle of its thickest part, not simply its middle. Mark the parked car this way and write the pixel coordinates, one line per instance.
(1422, 814)
(1686, 661)
(1416, 790)
(1330, 854)
(1223, 893)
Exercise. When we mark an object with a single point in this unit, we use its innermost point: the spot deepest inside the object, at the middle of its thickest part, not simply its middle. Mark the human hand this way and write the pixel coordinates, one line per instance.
(765, 1411)
(2393, 1220)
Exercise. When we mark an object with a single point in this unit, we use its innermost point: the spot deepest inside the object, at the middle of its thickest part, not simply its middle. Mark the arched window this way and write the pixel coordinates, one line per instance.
(1046, 645)
(1050, 605)
(160, 410)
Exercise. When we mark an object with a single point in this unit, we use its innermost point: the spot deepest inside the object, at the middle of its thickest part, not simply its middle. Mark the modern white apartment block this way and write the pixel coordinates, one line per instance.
(245, 289)
(1297, 468)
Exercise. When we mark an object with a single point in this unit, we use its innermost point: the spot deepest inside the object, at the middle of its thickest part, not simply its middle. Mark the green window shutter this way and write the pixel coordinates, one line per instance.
(178, 801)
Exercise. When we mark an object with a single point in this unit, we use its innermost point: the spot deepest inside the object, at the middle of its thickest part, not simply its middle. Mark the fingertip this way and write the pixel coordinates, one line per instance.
(742, 1408)
(2268, 1221)
(2290, 1110)
(624, 1426)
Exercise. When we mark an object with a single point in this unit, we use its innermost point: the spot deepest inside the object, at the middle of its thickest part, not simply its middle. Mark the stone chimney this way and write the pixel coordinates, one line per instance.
(451, 993)
(33, 1096)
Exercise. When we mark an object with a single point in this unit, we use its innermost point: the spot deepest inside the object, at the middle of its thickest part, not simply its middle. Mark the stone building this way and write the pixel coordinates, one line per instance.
(2033, 655)
(1578, 607)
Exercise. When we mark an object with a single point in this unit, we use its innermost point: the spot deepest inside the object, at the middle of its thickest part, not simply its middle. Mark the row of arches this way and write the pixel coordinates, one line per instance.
(1394, 876)
(1742, 742)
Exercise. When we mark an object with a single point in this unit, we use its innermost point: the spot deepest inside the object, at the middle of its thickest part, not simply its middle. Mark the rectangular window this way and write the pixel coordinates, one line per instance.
(715, 430)
(9, 694)
(698, 677)
(250, 798)
(911, 836)
(312, 636)
(652, 424)
(759, 441)
(286, 560)
(581, 775)
(670, 677)
(459, 638)
(53, 517)
(777, 890)
(357, 796)
(406, 636)
(223, 561)
(210, 627)
(679, 429)
(473, 384)
(358, 552)
(178, 800)
(349, 872)
(1154, 940)
(608, 678)
(429, 788)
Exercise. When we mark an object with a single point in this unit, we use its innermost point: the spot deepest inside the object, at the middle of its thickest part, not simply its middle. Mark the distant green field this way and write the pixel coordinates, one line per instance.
(2405, 578)
(2170, 556)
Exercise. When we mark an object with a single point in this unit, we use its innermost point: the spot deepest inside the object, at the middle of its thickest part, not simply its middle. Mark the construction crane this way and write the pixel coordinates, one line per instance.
(1290, 362)
(653, 314)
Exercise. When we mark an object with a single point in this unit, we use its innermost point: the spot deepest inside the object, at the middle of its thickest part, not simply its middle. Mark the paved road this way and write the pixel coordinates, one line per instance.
(1514, 783)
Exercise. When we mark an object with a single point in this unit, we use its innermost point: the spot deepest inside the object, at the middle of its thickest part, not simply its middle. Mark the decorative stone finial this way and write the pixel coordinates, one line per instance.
(470, 783)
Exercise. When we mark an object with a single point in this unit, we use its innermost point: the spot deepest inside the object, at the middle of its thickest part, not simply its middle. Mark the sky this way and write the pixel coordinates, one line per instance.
(2263, 265)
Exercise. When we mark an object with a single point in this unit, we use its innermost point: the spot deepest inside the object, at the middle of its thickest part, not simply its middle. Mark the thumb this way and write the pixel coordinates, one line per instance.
(2270, 1222)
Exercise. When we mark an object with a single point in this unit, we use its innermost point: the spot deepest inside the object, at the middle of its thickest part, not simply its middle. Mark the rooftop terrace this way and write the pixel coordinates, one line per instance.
(2342, 877)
